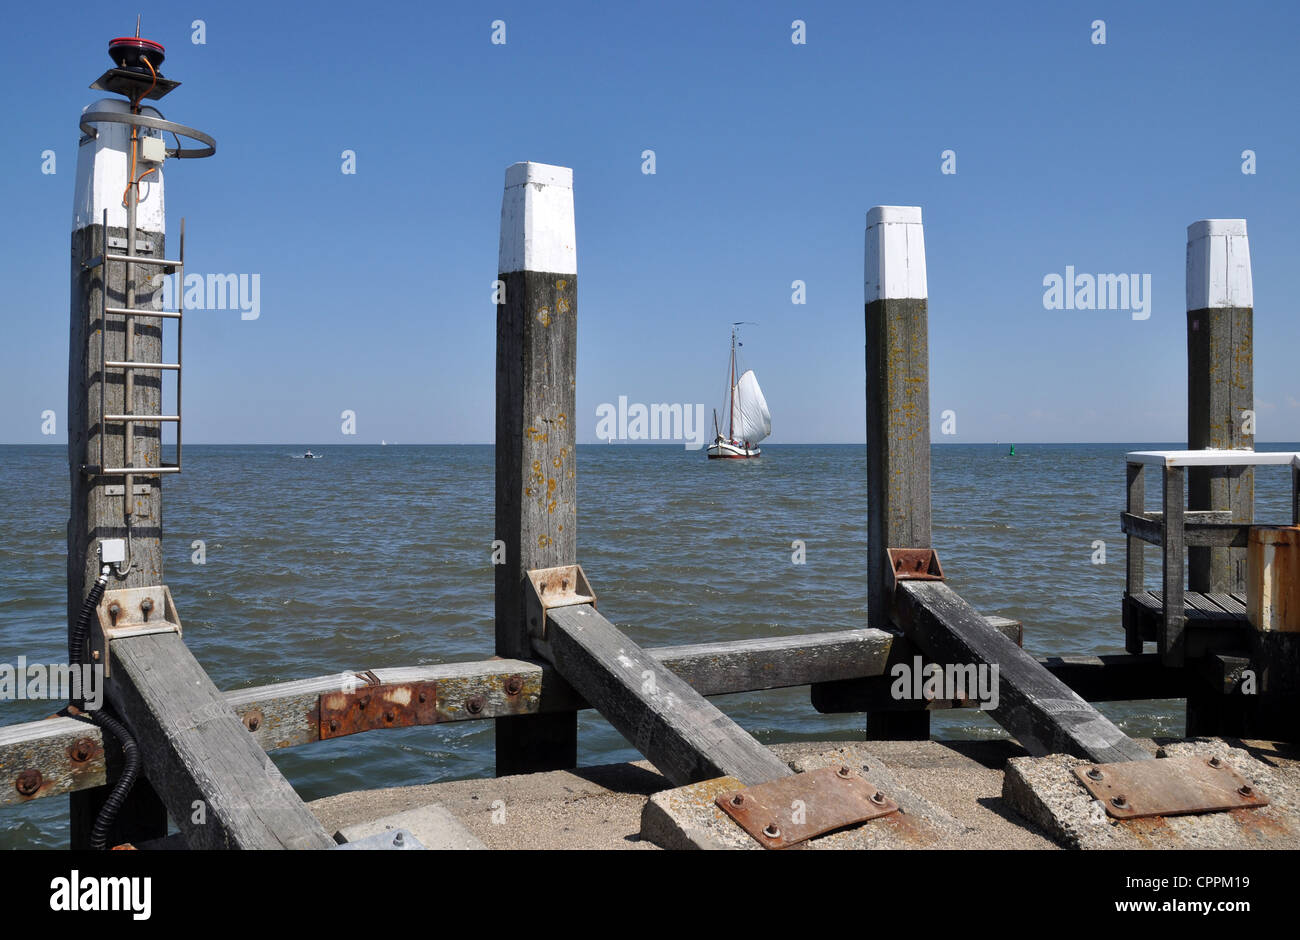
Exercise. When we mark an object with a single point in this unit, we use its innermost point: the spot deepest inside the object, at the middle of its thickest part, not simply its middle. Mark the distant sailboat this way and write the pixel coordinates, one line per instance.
(749, 421)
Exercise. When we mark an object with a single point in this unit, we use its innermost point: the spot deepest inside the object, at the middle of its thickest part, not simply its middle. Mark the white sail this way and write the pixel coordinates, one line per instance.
(750, 419)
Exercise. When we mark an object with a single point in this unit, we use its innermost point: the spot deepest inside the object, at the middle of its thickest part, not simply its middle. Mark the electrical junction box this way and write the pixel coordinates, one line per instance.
(153, 149)
(112, 551)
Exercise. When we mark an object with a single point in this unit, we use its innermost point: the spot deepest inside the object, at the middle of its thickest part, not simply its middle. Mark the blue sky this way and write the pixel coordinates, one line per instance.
(376, 287)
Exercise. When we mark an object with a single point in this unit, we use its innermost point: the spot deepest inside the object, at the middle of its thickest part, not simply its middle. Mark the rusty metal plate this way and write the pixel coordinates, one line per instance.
(915, 564)
(1172, 786)
(377, 706)
(793, 809)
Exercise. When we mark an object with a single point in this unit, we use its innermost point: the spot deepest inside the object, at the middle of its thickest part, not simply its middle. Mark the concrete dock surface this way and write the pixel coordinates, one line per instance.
(601, 807)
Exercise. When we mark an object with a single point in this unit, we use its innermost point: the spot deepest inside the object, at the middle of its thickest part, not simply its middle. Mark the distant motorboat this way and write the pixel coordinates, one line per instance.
(310, 456)
(749, 421)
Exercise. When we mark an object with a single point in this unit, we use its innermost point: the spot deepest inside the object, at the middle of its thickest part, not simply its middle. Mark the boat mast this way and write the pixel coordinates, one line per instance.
(731, 387)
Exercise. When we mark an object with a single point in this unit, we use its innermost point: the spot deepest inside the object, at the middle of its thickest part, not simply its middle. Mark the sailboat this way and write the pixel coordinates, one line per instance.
(748, 420)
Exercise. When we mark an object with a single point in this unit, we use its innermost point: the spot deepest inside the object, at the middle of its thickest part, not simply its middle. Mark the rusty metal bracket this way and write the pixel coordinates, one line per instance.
(914, 564)
(1171, 786)
(790, 810)
(131, 612)
(547, 588)
(377, 706)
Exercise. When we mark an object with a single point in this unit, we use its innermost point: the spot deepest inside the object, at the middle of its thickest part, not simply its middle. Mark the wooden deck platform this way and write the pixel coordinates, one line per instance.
(1212, 619)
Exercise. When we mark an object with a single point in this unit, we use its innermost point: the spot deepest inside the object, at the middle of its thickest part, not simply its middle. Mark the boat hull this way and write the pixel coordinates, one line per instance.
(724, 450)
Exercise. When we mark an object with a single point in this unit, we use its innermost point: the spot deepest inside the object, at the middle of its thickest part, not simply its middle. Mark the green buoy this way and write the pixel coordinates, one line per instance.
(1013, 451)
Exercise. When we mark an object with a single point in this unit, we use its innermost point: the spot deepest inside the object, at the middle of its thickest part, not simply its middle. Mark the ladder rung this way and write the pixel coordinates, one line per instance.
(143, 366)
(129, 312)
(142, 419)
(136, 259)
(134, 471)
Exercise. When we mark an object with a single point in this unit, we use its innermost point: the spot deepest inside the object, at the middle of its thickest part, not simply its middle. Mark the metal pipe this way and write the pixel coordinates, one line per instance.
(143, 366)
(180, 346)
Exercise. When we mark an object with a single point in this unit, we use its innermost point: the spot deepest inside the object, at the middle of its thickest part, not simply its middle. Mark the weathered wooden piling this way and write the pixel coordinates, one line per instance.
(199, 764)
(102, 170)
(898, 420)
(536, 454)
(1220, 414)
(1220, 389)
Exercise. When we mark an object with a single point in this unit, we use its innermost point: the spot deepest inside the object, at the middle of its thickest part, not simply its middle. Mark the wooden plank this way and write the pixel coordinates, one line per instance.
(1169, 639)
(677, 729)
(1041, 711)
(1230, 603)
(197, 753)
(1112, 678)
(536, 424)
(1150, 529)
(898, 417)
(1135, 569)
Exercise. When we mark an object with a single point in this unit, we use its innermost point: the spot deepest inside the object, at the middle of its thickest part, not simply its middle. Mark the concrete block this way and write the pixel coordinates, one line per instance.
(687, 817)
(1046, 792)
(433, 825)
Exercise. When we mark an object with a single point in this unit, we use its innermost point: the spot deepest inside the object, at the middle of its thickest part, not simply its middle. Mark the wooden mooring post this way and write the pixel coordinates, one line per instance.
(898, 422)
(200, 765)
(536, 453)
(672, 724)
(1220, 389)
(1220, 414)
(1044, 714)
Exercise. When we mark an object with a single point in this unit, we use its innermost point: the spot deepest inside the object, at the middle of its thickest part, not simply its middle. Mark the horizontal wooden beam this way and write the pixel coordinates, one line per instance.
(659, 713)
(1195, 534)
(1039, 710)
(1112, 678)
(284, 714)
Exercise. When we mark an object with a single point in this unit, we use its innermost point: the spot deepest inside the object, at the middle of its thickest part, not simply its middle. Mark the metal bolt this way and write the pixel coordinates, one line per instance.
(1119, 802)
(397, 839)
(773, 831)
(82, 748)
(878, 798)
(514, 685)
(423, 697)
(254, 722)
(28, 782)
(1245, 790)
(737, 800)
(388, 716)
(114, 611)
(1095, 774)
(146, 606)
(474, 704)
(334, 725)
(363, 701)
(1215, 763)
(843, 772)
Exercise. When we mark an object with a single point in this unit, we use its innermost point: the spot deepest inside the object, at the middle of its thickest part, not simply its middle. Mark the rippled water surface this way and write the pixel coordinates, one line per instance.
(381, 556)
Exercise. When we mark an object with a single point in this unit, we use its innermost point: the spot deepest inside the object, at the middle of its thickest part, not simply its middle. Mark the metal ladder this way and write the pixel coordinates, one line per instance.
(130, 366)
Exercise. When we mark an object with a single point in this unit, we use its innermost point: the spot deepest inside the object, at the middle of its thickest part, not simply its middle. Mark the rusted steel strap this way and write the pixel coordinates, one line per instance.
(377, 706)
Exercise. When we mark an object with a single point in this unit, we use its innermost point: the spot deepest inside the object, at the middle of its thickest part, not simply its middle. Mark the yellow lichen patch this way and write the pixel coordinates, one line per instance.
(544, 316)
(561, 284)
(562, 305)
(543, 541)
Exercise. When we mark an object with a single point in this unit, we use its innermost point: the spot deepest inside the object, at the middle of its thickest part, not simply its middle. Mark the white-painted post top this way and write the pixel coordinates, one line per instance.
(537, 227)
(895, 255)
(103, 166)
(1218, 265)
